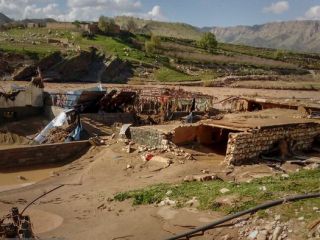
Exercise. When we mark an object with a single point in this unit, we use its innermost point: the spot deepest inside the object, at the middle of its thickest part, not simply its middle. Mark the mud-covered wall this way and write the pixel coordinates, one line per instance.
(249, 145)
(42, 154)
(31, 96)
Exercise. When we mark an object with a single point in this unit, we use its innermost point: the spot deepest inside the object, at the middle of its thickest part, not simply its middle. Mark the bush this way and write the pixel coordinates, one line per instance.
(208, 42)
(149, 47)
(153, 44)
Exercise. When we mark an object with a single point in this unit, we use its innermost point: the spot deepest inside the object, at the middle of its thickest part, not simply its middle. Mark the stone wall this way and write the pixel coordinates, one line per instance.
(249, 145)
(147, 136)
(42, 154)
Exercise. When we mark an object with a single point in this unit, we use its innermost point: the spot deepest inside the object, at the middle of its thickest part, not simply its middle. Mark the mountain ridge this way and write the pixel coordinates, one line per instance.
(302, 35)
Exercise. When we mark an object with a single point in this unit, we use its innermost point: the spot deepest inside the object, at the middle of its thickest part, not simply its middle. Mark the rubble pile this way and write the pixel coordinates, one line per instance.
(59, 134)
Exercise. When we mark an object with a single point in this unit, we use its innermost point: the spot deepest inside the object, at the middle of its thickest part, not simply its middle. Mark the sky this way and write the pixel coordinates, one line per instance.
(196, 12)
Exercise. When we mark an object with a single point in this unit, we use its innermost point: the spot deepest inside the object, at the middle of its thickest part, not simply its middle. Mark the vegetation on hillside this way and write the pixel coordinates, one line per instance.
(168, 59)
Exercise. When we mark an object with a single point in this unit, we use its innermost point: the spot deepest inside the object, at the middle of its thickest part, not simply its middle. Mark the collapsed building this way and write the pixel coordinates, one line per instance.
(21, 102)
(240, 139)
(239, 129)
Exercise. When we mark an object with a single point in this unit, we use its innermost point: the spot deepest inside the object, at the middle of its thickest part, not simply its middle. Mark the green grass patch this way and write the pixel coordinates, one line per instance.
(247, 194)
(165, 74)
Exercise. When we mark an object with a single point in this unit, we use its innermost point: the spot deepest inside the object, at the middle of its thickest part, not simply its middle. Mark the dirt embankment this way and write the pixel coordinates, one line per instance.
(8, 138)
(83, 66)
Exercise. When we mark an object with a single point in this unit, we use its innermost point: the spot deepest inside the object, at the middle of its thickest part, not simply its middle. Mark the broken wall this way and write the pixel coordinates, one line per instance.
(31, 96)
(244, 146)
(147, 136)
(38, 154)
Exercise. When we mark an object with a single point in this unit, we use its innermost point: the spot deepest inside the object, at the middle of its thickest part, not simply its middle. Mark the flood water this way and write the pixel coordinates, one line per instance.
(15, 178)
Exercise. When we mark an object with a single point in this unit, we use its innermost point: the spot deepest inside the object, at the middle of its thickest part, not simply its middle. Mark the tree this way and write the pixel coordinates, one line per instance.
(208, 42)
(156, 40)
(106, 25)
(153, 44)
(150, 47)
(131, 26)
(102, 24)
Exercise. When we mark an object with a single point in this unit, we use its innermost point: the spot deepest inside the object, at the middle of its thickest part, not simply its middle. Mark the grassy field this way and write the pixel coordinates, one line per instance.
(246, 194)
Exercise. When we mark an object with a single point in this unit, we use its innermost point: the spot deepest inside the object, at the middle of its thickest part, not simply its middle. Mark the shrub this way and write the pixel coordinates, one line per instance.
(208, 42)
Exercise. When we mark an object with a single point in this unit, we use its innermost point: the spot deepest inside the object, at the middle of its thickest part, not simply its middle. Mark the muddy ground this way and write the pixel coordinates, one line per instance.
(84, 208)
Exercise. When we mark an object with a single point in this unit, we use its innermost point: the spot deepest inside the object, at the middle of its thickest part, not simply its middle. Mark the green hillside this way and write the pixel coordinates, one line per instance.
(166, 29)
(174, 60)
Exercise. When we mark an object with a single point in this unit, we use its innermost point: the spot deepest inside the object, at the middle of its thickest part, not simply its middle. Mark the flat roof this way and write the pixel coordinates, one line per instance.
(260, 119)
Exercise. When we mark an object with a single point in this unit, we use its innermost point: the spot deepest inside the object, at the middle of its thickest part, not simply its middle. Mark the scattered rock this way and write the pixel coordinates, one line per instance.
(129, 166)
(22, 178)
(277, 232)
(167, 202)
(253, 234)
(193, 202)
(285, 175)
(201, 178)
(169, 192)
(263, 188)
(224, 190)
(263, 235)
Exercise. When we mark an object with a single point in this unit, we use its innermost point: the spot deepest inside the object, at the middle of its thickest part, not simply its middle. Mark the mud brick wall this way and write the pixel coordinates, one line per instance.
(249, 145)
(147, 136)
(42, 154)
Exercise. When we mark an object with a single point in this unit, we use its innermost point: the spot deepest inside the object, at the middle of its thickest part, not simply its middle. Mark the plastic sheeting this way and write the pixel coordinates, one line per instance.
(60, 120)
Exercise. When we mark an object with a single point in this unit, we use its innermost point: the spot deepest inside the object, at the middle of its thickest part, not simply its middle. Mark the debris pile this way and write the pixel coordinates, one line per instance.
(16, 226)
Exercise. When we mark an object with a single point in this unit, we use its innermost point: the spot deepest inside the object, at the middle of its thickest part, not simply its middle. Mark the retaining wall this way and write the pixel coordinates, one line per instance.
(42, 154)
(248, 145)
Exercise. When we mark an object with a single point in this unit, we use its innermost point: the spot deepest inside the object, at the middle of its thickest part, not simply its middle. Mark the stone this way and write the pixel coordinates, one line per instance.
(193, 202)
(203, 178)
(301, 218)
(167, 202)
(129, 166)
(276, 233)
(253, 234)
(169, 192)
(224, 190)
(263, 235)
(263, 188)
(277, 217)
(22, 178)
(188, 179)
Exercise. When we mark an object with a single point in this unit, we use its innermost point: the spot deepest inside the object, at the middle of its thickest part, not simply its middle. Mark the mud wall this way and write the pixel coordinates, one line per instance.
(185, 134)
(42, 154)
(249, 145)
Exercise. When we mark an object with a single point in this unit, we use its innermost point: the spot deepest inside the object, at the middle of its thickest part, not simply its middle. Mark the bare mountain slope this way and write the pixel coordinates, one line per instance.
(293, 35)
